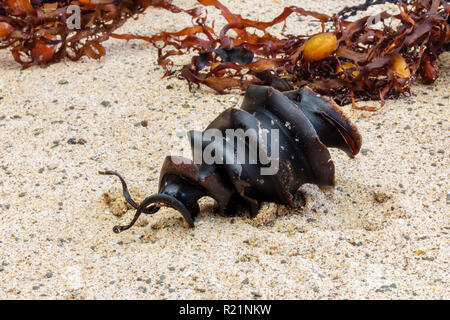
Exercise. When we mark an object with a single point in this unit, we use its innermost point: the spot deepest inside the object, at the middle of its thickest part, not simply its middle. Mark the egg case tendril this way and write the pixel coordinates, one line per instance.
(307, 124)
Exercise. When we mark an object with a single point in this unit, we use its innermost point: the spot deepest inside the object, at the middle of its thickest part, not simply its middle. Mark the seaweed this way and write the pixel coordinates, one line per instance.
(348, 61)
(41, 32)
(364, 63)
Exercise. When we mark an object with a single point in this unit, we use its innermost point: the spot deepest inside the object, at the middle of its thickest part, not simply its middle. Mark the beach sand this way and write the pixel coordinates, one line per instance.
(381, 233)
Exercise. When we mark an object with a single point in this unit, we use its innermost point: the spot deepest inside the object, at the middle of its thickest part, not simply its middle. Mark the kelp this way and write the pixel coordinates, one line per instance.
(40, 31)
(366, 62)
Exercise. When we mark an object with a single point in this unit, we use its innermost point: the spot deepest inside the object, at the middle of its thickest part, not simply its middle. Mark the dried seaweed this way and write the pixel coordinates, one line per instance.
(367, 63)
(38, 31)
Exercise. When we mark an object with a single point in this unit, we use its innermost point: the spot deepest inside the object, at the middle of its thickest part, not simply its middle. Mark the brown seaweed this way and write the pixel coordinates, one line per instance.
(38, 31)
(362, 65)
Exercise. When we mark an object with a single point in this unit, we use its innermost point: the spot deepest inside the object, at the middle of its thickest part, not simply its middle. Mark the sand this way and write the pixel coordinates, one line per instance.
(381, 233)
